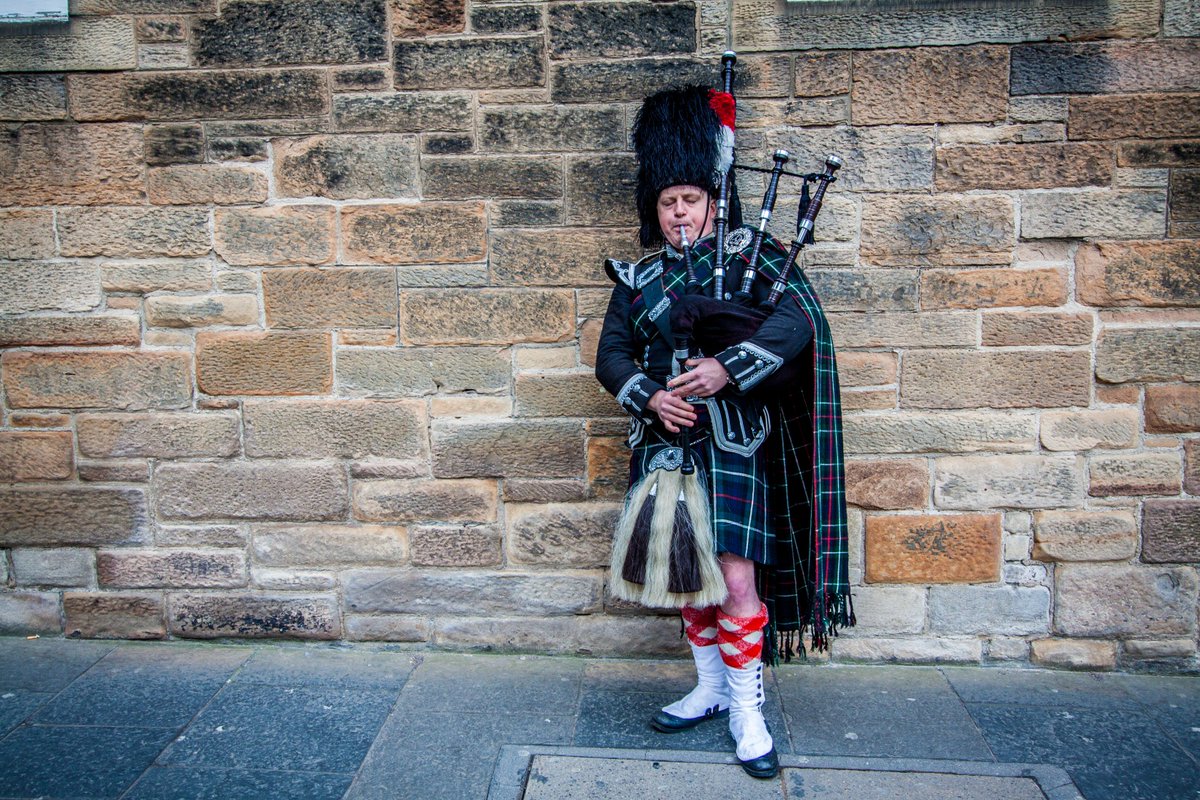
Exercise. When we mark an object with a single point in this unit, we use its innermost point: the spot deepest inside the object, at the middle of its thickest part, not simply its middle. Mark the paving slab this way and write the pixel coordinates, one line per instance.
(1039, 687)
(447, 755)
(451, 682)
(185, 783)
(17, 705)
(76, 762)
(898, 712)
(1112, 754)
(46, 665)
(257, 726)
(146, 687)
(333, 668)
(561, 773)
(1173, 701)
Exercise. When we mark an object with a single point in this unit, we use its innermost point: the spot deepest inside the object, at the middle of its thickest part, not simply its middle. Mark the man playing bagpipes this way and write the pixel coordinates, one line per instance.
(736, 511)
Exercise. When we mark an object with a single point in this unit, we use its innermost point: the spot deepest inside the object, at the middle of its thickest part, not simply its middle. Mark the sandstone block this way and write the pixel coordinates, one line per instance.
(35, 455)
(330, 298)
(174, 144)
(486, 316)
(158, 435)
(463, 592)
(1158, 153)
(621, 30)
(426, 233)
(1105, 67)
(146, 277)
(112, 615)
(1120, 601)
(409, 112)
(25, 98)
(27, 612)
(72, 164)
(292, 32)
(87, 44)
(506, 19)
(292, 490)
(1020, 328)
(945, 432)
(359, 79)
(551, 128)
(133, 232)
(822, 73)
(1088, 654)
(969, 379)
(72, 516)
(462, 177)
(173, 96)
(108, 379)
(1090, 213)
(344, 167)
(422, 370)
(209, 616)
(130, 470)
(563, 394)
(868, 400)
(476, 63)
(1048, 165)
(201, 536)
(600, 190)
(865, 289)
(1154, 649)
(915, 650)
(1004, 610)
(1191, 469)
(1173, 408)
(327, 546)
(198, 184)
(292, 580)
(456, 545)
(1008, 481)
(56, 286)
(889, 159)
(106, 329)
(279, 236)
(1170, 531)
(1037, 109)
(53, 566)
(887, 609)
(105, 7)
(982, 288)
(417, 18)
(335, 429)
(1106, 429)
(590, 636)
(269, 363)
(607, 467)
(161, 29)
(387, 628)
(26, 234)
(887, 485)
(1129, 116)
(520, 449)
(174, 569)
(628, 79)
(940, 548)
(1148, 354)
(576, 536)
(25, 419)
(1084, 536)
(895, 329)
(173, 311)
(425, 500)
(943, 230)
(519, 490)
(548, 258)
(923, 85)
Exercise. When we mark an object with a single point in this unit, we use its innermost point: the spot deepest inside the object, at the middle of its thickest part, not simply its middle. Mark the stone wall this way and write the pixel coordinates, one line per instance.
(301, 297)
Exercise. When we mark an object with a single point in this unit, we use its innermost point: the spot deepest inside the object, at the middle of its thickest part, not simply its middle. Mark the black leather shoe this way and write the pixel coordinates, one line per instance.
(765, 766)
(669, 723)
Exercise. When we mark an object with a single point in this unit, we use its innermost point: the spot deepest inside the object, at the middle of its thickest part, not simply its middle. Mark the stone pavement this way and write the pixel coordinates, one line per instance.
(189, 720)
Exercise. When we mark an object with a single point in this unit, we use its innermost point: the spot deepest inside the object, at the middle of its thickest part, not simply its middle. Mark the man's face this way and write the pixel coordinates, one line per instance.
(689, 206)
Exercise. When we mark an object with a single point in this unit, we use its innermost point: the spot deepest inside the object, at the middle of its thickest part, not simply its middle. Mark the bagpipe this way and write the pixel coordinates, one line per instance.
(722, 320)
(663, 549)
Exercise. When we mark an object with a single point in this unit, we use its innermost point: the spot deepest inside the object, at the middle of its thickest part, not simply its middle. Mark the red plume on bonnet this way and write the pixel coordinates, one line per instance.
(681, 136)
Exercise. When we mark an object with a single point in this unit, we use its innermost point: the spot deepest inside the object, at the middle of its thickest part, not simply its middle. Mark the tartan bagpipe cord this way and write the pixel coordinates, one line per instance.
(807, 587)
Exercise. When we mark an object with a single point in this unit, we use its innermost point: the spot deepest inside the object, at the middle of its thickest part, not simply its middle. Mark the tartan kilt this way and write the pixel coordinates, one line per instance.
(736, 487)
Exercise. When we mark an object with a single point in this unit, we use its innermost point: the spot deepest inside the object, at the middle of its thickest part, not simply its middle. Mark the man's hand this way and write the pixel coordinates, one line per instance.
(704, 378)
(672, 410)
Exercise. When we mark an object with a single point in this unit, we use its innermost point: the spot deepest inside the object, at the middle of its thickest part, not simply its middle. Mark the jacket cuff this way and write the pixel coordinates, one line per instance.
(636, 393)
(747, 364)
